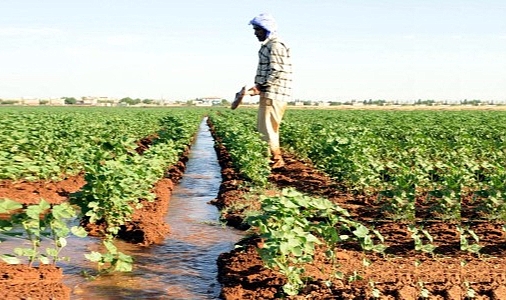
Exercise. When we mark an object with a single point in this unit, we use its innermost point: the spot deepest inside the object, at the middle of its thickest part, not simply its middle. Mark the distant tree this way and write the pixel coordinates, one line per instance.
(70, 100)
(148, 101)
(225, 102)
(127, 100)
(8, 102)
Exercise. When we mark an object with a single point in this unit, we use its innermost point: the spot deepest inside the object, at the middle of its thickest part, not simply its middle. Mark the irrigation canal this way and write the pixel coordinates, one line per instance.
(184, 266)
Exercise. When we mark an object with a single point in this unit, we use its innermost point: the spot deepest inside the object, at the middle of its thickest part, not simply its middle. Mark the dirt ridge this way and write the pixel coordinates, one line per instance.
(403, 274)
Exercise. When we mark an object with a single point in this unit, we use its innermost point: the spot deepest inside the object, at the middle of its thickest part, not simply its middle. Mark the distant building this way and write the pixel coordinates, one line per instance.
(88, 101)
(30, 101)
(208, 101)
(56, 101)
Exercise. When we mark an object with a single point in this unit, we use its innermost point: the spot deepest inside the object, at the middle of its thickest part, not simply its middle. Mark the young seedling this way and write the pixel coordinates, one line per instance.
(424, 292)
(290, 232)
(39, 221)
(375, 292)
(418, 235)
(465, 245)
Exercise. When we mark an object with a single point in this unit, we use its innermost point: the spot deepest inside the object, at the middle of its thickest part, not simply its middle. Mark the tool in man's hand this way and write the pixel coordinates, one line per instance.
(238, 97)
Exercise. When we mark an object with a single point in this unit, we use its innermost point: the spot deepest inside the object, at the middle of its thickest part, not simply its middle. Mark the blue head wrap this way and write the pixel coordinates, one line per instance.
(267, 22)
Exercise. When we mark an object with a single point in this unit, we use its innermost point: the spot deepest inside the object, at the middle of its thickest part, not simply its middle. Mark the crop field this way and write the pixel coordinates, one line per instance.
(415, 206)
(370, 205)
(96, 166)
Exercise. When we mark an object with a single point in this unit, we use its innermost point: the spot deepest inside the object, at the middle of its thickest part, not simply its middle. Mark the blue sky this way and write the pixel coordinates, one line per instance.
(341, 50)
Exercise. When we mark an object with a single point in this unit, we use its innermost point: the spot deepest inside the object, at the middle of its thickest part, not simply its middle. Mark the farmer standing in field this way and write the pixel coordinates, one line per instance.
(273, 82)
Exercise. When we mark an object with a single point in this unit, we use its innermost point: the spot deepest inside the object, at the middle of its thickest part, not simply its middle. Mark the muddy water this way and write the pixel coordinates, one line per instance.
(184, 266)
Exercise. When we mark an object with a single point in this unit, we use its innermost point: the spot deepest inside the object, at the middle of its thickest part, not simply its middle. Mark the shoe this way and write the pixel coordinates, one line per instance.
(278, 164)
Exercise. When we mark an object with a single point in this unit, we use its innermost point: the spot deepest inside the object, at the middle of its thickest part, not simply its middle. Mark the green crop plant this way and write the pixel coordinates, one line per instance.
(50, 143)
(465, 244)
(38, 221)
(402, 156)
(292, 224)
(375, 292)
(419, 235)
(112, 260)
(248, 152)
(424, 292)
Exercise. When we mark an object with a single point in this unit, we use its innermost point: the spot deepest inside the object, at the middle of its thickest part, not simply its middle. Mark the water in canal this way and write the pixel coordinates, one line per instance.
(184, 266)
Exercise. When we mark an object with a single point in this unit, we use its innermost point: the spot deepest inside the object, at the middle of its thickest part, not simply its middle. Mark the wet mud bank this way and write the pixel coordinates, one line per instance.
(230, 197)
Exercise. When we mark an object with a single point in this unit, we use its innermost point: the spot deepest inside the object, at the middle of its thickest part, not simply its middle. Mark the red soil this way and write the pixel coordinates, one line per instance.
(31, 192)
(147, 227)
(401, 274)
(24, 282)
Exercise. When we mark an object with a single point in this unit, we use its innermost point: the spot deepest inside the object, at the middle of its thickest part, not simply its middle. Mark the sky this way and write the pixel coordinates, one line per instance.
(178, 50)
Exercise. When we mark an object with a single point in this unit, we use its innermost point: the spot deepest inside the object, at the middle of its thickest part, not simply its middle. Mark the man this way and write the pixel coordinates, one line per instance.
(273, 82)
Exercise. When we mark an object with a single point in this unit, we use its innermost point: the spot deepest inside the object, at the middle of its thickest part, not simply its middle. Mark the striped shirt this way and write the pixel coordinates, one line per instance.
(274, 72)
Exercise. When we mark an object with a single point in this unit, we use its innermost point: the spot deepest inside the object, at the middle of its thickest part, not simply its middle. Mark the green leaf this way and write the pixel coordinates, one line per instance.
(44, 259)
(5, 225)
(7, 205)
(361, 231)
(63, 211)
(93, 256)
(43, 204)
(124, 263)
(111, 248)
(78, 231)
(474, 248)
(10, 259)
(52, 252)
(24, 252)
(61, 242)
(33, 212)
(297, 251)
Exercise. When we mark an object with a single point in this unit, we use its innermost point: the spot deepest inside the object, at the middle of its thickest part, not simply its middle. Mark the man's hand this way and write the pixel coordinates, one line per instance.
(255, 90)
